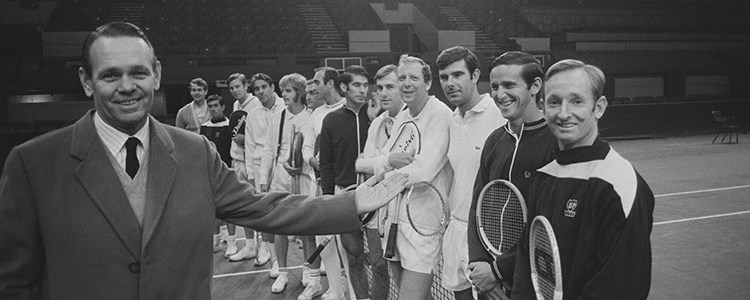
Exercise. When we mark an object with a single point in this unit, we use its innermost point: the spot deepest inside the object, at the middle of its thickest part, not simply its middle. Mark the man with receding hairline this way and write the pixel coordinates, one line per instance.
(120, 206)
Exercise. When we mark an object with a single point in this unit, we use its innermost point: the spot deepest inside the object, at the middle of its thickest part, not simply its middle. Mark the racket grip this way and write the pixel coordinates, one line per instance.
(317, 251)
(390, 247)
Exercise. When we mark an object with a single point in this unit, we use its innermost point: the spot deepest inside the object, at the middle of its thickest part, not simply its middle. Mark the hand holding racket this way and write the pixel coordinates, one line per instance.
(544, 258)
(501, 217)
(407, 143)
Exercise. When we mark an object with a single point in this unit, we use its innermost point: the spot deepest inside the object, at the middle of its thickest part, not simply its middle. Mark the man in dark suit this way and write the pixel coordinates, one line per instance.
(84, 217)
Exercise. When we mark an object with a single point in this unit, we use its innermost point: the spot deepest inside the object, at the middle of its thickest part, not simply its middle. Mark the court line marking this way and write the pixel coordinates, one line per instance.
(704, 191)
(253, 272)
(702, 218)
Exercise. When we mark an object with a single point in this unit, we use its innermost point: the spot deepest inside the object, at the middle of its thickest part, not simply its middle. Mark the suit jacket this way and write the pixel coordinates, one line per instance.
(67, 230)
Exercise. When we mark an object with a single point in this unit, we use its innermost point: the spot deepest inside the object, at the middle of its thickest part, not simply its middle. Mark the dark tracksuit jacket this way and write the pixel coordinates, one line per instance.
(601, 212)
(340, 147)
(513, 157)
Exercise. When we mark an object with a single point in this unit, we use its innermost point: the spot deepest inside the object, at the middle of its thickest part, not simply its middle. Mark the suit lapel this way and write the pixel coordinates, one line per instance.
(162, 169)
(97, 176)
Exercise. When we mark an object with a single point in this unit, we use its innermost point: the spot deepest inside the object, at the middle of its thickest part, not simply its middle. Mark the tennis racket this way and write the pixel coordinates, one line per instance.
(426, 209)
(295, 158)
(501, 216)
(345, 284)
(544, 256)
(408, 140)
(315, 254)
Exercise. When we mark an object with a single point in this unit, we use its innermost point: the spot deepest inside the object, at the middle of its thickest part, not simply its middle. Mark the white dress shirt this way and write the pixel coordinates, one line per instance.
(114, 140)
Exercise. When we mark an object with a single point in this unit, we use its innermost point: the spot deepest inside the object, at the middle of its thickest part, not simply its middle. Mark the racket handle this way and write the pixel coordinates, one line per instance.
(367, 217)
(390, 247)
(317, 251)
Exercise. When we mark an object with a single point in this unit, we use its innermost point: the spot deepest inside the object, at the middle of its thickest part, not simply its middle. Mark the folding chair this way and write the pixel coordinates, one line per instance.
(728, 127)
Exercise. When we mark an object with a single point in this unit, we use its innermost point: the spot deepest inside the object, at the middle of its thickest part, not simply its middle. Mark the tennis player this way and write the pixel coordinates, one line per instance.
(325, 88)
(256, 129)
(243, 104)
(474, 118)
(342, 140)
(511, 152)
(600, 208)
(195, 113)
(416, 255)
(380, 131)
(296, 119)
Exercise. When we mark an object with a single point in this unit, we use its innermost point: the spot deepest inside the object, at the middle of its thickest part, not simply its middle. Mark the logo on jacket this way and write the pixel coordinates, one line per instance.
(570, 208)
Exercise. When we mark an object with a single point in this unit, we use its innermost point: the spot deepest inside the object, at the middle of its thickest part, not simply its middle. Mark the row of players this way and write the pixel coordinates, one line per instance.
(525, 124)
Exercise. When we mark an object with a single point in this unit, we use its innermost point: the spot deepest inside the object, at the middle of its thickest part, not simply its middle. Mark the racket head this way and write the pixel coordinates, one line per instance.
(295, 151)
(408, 139)
(237, 122)
(544, 258)
(426, 209)
(501, 216)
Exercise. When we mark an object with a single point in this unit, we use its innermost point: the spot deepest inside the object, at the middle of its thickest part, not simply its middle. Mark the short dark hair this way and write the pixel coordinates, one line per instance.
(531, 66)
(330, 74)
(215, 97)
(199, 82)
(112, 30)
(354, 70)
(260, 76)
(385, 71)
(236, 76)
(456, 53)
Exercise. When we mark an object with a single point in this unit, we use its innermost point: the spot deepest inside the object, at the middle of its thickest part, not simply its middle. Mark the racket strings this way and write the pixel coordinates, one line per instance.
(544, 261)
(426, 210)
(502, 217)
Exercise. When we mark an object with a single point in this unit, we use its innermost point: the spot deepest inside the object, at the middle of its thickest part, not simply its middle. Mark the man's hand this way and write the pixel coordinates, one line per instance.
(290, 170)
(496, 293)
(399, 160)
(481, 276)
(239, 139)
(315, 163)
(372, 194)
(373, 108)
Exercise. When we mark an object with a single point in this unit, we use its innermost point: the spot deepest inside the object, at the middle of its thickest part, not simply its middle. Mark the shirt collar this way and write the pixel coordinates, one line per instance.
(403, 108)
(484, 101)
(114, 139)
(277, 102)
(337, 104)
(248, 99)
(596, 151)
(426, 107)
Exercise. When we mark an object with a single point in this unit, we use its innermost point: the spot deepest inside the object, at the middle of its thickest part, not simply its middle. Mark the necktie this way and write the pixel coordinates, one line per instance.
(131, 159)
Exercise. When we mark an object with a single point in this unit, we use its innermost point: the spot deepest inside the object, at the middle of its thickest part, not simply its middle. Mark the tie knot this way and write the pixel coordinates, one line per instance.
(132, 143)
